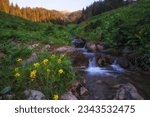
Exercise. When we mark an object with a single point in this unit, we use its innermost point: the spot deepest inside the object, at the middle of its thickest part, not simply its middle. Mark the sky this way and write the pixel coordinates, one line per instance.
(69, 5)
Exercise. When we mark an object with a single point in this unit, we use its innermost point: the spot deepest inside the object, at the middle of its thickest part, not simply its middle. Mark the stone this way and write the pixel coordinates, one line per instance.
(79, 60)
(34, 95)
(65, 49)
(83, 91)
(99, 81)
(91, 46)
(9, 96)
(111, 51)
(46, 47)
(99, 47)
(128, 92)
(123, 62)
(104, 60)
(79, 42)
(68, 96)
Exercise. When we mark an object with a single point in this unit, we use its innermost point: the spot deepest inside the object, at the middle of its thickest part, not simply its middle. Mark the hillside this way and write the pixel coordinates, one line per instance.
(126, 27)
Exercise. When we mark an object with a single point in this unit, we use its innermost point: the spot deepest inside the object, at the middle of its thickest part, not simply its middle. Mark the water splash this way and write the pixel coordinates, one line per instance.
(117, 67)
(94, 70)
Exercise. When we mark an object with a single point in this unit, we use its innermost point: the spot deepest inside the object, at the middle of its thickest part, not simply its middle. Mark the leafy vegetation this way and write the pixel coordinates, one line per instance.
(126, 27)
(48, 74)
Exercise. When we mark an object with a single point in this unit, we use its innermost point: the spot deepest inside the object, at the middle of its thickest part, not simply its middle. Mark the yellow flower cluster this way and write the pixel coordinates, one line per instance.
(16, 69)
(45, 61)
(53, 56)
(55, 97)
(59, 61)
(60, 71)
(62, 56)
(48, 70)
(36, 65)
(33, 74)
(17, 75)
(19, 60)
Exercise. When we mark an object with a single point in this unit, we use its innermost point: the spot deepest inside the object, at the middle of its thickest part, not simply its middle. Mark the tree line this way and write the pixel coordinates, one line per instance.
(100, 6)
(33, 14)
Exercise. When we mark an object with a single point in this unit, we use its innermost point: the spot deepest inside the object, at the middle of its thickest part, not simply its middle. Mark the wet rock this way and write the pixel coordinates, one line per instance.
(68, 96)
(79, 42)
(91, 46)
(99, 47)
(104, 60)
(99, 81)
(65, 50)
(111, 51)
(123, 62)
(128, 92)
(126, 51)
(83, 91)
(34, 95)
(79, 60)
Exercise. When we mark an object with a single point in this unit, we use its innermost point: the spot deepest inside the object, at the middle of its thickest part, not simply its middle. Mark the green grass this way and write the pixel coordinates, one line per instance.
(16, 34)
(128, 26)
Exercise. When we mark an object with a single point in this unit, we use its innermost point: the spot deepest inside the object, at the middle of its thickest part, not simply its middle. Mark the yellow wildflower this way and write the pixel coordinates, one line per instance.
(36, 64)
(45, 61)
(48, 70)
(55, 97)
(17, 75)
(16, 69)
(53, 56)
(60, 71)
(33, 74)
(59, 61)
(19, 60)
(62, 56)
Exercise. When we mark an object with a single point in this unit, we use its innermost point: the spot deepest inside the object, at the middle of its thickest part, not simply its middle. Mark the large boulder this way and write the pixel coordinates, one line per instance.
(34, 95)
(79, 42)
(127, 92)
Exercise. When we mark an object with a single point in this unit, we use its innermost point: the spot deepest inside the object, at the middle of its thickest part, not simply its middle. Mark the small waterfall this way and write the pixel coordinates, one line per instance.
(117, 67)
(92, 62)
(93, 69)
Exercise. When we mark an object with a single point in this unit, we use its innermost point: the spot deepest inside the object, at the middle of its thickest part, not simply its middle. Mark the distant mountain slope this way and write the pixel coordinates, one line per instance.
(37, 14)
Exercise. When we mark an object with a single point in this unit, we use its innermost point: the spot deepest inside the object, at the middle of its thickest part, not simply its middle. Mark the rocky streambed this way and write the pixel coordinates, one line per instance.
(106, 74)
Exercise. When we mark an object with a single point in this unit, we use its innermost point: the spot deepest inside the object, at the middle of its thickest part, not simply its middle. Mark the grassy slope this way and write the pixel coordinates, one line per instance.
(15, 36)
(121, 27)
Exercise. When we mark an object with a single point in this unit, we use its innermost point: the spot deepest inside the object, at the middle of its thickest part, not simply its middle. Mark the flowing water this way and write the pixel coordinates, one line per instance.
(101, 80)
